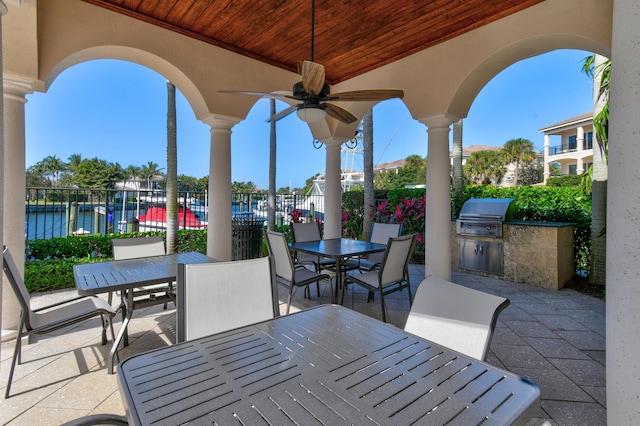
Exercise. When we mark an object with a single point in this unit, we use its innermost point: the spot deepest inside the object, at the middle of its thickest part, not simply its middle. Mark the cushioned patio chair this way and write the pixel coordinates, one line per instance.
(50, 318)
(216, 297)
(392, 275)
(286, 274)
(455, 316)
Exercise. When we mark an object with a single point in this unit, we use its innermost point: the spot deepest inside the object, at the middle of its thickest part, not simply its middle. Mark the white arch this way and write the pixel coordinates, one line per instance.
(140, 57)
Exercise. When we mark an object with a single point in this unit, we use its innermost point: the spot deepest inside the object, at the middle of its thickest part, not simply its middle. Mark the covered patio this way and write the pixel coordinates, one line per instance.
(440, 78)
(555, 338)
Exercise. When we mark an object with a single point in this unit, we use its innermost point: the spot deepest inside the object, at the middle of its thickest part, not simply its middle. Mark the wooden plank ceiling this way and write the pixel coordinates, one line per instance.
(351, 36)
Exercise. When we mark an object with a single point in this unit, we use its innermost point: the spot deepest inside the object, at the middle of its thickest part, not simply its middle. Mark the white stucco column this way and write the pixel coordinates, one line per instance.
(438, 209)
(332, 191)
(547, 141)
(219, 213)
(15, 91)
(3, 11)
(623, 217)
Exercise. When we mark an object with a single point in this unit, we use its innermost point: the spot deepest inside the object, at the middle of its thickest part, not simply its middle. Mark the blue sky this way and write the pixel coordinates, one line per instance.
(116, 111)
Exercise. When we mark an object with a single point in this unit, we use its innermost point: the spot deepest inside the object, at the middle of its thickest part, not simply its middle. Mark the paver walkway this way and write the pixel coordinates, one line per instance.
(555, 338)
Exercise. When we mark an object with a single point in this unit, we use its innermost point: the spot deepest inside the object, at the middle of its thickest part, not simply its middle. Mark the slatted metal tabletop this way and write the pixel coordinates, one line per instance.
(103, 277)
(326, 365)
(125, 275)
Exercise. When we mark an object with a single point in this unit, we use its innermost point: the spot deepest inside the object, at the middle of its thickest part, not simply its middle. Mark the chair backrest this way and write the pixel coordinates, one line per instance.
(279, 249)
(302, 232)
(131, 248)
(380, 233)
(216, 297)
(396, 259)
(18, 286)
(455, 316)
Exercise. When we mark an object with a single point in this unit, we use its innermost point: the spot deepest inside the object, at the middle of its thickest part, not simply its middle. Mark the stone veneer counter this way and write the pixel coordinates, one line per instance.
(536, 253)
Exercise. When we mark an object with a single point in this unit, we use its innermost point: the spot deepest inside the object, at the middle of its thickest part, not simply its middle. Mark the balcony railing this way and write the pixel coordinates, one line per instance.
(52, 212)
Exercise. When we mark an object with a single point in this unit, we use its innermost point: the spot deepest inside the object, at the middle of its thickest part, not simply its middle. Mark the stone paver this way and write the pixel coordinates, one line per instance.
(554, 338)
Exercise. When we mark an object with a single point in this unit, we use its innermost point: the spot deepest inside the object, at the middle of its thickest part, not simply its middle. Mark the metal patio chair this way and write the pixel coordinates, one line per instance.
(455, 316)
(380, 233)
(216, 297)
(50, 318)
(310, 231)
(286, 274)
(392, 275)
(132, 248)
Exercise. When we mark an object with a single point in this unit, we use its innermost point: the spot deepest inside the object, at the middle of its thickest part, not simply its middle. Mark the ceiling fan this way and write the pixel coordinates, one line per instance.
(314, 94)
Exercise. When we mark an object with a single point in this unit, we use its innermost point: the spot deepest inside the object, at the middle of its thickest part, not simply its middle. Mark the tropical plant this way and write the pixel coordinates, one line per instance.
(518, 151)
(172, 171)
(485, 167)
(97, 174)
(367, 147)
(599, 68)
(150, 171)
(53, 166)
(456, 173)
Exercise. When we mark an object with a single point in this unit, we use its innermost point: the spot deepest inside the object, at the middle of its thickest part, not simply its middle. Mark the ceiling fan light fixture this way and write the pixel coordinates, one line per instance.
(311, 115)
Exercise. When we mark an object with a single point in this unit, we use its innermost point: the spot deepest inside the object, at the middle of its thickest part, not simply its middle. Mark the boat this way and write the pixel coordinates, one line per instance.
(155, 219)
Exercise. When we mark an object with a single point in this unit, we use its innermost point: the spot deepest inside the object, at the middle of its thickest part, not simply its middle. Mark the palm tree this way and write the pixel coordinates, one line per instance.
(599, 68)
(367, 145)
(518, 151)
(457, 157)
(53, 166)
(149, 171)
(485, 167)
(131, 173)
(271, 196)
(172, 171)
(74, 160)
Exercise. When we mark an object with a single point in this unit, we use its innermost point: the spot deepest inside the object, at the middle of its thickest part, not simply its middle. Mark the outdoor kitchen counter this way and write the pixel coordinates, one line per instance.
(535, 253)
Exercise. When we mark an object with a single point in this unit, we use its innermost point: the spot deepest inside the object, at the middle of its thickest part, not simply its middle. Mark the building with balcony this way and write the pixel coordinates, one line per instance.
(569, 144)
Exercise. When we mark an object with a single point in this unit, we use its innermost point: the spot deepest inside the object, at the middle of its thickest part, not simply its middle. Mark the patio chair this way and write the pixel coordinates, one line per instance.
(380, 233)
(132, 248)
(216, 297)
(50, 318)
(301, 232)
(392, 275)
(455, 316)
(286, 274)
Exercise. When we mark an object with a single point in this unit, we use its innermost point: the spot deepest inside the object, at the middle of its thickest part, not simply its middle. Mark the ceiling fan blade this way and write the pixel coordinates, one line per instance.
(312, 76)
(339, 113)
(264, 94)
(282, 114)
(366, 95)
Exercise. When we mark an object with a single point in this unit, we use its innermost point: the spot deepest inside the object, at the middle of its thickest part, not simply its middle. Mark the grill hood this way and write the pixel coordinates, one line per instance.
(488, 209)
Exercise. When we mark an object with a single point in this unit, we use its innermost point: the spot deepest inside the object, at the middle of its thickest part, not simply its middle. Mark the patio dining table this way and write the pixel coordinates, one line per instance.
(324, 365)
(339, 249)
(125, 275)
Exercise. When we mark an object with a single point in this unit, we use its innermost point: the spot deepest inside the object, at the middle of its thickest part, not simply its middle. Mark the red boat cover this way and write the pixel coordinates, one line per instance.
(159, 214)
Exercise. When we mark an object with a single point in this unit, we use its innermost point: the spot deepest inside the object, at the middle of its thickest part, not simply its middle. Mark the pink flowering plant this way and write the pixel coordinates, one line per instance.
(410, 213)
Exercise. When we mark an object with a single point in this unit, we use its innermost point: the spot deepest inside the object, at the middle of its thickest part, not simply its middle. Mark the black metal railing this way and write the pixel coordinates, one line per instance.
(58, 212)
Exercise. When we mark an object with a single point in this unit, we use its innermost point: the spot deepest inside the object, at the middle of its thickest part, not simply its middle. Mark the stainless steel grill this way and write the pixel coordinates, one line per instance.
(482, 218)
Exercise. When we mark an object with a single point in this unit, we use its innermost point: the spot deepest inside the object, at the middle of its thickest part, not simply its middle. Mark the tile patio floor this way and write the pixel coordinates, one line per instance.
(555, 338)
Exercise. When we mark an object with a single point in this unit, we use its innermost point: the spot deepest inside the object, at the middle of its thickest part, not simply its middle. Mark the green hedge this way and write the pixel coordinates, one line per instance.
(49, 263)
